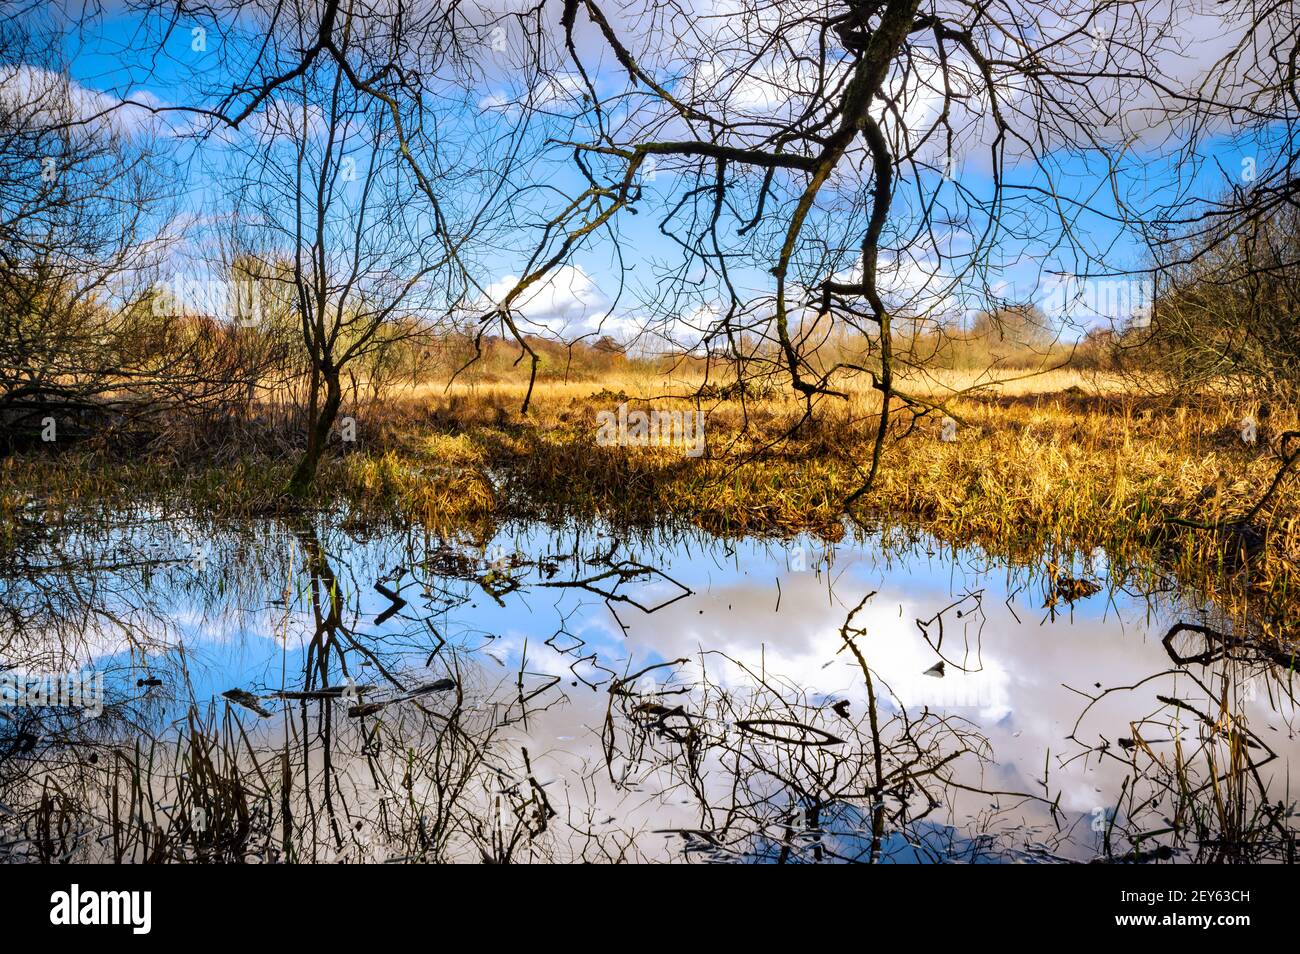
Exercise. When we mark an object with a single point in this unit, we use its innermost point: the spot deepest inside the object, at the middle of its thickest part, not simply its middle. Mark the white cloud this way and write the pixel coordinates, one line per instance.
(566, 303)
(915, 285)
(550, 92)
(42, 97)
(765, 90)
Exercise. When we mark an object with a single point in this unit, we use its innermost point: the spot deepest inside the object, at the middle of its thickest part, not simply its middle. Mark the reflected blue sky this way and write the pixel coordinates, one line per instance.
(1017, 671)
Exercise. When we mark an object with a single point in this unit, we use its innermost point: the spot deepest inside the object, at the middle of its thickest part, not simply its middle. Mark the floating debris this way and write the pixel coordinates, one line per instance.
(242, 697)
(804, 734)
(1070, 588)
(313, 695)
(367, 708)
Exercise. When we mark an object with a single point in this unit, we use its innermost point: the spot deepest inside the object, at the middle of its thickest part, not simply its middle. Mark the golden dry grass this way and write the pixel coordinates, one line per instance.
(1042, 463)
(1051, 462)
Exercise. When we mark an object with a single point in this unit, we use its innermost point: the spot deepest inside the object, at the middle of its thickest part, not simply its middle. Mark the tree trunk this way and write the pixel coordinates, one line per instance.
(318, 434)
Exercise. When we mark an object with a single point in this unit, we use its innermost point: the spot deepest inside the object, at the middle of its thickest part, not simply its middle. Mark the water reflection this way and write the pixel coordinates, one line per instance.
(314, 691)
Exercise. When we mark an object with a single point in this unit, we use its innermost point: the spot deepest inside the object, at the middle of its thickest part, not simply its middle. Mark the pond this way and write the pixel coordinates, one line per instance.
(321, 690)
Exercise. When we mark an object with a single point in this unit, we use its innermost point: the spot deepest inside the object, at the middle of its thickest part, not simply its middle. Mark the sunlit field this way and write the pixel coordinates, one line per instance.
(1037, 462)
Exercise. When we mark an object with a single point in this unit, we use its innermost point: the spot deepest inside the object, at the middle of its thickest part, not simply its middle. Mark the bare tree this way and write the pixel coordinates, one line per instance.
(803, 156)
(327, 195)
(89, 341)
(371, 164)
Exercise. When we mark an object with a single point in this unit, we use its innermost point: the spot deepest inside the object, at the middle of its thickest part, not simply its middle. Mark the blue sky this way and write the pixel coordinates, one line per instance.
(122, 56)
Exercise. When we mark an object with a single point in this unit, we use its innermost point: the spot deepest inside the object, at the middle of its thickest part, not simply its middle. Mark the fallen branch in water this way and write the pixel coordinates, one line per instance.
(366, 708)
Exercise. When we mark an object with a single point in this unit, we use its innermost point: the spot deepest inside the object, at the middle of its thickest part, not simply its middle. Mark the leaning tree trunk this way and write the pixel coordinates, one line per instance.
(318, 433)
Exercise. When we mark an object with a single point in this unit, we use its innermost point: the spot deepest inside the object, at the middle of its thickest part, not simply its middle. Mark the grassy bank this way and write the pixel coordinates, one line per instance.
(1057, 462)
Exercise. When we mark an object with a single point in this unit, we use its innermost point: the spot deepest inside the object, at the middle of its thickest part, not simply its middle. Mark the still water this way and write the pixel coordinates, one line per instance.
(322, 690)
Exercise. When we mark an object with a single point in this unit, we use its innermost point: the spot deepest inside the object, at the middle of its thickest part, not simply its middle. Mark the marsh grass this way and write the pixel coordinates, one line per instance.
(1049, 463)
